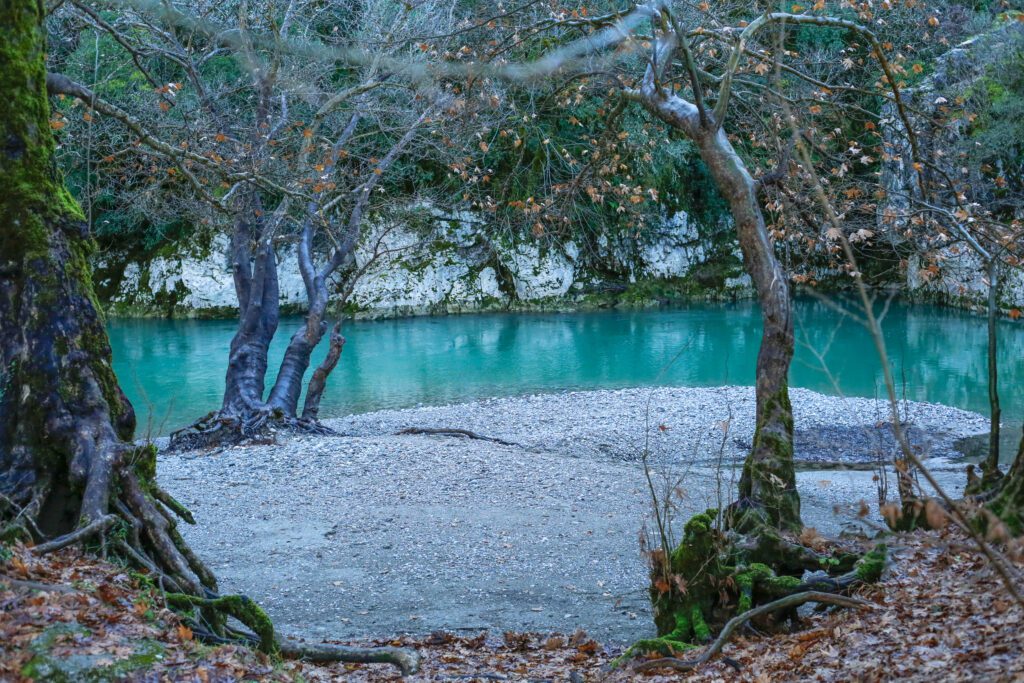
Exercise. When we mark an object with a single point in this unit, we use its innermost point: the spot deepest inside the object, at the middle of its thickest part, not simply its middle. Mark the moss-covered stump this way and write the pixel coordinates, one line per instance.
(712, 576)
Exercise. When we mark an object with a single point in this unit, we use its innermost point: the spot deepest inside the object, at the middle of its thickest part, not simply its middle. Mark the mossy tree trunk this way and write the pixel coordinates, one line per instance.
(713, 575)
(63, 417)
(67, 464)
(768, 482)
(1008, 504)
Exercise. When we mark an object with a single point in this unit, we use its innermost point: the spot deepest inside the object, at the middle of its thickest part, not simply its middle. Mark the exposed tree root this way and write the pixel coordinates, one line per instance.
(442, 431)
(137, 521)
(249, 614)
(88, 531)
(788, 602)
(218, 430)
(407, 661)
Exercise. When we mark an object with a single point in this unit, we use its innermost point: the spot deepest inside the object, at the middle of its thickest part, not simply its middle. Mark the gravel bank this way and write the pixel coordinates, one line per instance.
(585, 424)
(376, 533)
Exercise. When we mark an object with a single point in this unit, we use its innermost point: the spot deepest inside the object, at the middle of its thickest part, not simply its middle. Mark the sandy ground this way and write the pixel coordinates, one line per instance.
(372, 533)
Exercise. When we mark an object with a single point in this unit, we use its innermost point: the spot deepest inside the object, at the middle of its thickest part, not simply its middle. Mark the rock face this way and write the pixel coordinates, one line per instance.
(457, 265)
(194, 281)
(962, 282)
(957, 278)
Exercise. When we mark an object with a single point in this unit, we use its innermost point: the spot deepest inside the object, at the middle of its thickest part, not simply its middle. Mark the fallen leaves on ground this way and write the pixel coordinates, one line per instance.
(941, 613)
(67, 614)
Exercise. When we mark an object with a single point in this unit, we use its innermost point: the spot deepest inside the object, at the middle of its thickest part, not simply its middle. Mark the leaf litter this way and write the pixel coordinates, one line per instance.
(940, 613)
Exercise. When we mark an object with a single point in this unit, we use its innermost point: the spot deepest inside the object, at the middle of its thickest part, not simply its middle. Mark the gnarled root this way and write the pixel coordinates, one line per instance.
(249, 613)
(219, 430)
(78, 535)
(121, 508)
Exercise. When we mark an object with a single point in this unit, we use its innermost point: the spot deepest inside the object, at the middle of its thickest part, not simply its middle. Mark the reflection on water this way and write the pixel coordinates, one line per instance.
(173, 371)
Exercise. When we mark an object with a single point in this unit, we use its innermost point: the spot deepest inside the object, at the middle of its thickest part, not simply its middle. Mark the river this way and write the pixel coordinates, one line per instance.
(173, 370)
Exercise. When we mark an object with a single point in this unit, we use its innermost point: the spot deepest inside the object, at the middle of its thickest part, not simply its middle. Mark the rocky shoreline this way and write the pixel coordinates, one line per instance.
(377, 532)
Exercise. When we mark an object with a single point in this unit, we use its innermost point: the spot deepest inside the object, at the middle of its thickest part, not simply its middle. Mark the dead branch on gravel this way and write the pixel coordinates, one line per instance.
(444, 431)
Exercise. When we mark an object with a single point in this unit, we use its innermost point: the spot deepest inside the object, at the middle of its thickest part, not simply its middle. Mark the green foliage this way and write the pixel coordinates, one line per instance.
(996, 142)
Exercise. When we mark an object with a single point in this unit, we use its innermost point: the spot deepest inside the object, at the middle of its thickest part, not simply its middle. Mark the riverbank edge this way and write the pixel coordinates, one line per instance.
(644, 295)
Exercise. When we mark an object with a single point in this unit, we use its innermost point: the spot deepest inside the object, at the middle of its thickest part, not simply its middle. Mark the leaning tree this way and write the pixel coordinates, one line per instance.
(69, 471)
(703, 71)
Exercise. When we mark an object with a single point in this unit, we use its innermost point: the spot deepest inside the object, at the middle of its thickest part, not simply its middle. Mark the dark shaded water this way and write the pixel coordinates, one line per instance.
(173, 370)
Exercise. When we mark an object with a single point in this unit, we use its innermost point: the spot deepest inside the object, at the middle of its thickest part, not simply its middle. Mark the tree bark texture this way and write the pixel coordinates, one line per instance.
(768, 482)
(63, 416)
(66, 457)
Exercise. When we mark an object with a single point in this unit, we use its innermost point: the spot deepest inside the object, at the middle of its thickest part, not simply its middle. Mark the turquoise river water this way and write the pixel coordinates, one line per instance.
(173, 370)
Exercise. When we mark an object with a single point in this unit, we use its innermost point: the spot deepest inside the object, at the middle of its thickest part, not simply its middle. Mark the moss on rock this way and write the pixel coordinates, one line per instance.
(87, 668)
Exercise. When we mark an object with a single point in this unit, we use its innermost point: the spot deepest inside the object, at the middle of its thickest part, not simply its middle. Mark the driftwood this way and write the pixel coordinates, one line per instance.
(442, 431)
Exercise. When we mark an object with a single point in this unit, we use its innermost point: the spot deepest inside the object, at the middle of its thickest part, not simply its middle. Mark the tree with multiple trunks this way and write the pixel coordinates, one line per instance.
(272, 149)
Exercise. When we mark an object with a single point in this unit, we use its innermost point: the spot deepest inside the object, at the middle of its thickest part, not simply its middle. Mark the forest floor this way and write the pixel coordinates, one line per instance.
(379, 532)
(940, 613)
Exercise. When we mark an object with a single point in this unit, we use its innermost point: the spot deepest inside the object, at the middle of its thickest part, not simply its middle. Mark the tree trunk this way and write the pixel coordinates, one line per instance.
(257, 290)
(66, 457)
(990, 468)
(768, 481)
(284, 397)
(62, 412)
(1009, 503)
(318, 382)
